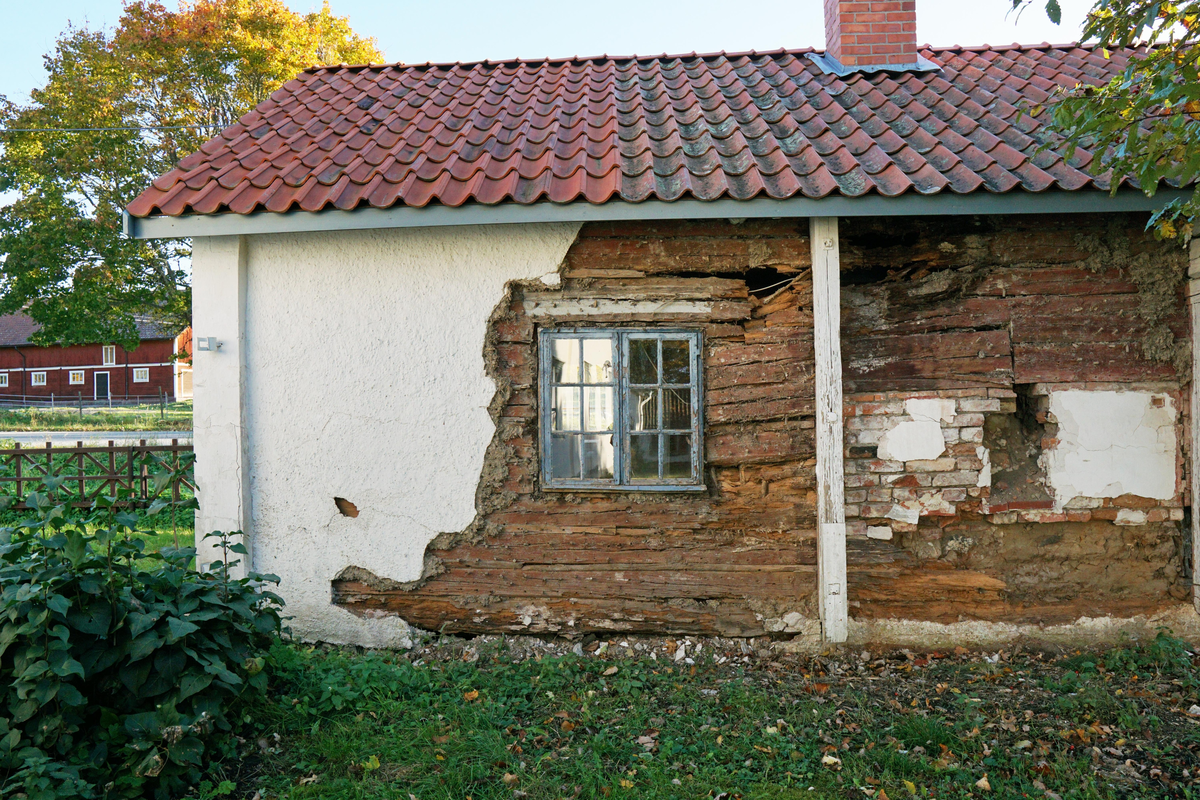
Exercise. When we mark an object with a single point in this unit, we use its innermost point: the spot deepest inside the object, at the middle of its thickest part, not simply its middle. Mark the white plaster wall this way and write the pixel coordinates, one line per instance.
(1112, 443)
(365, 380)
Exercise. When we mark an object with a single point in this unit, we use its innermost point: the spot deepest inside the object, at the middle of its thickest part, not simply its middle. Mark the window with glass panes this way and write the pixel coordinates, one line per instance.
(621, 408)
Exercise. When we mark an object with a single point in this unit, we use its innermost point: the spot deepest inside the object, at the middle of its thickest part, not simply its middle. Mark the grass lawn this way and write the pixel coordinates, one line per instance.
(178, 417)
(518, 718)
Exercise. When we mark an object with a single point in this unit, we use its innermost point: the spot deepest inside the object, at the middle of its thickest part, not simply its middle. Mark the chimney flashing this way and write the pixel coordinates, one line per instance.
(831, 66)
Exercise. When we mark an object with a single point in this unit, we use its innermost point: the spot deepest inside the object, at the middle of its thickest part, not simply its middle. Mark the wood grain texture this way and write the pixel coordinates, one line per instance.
(831, 500)
(926, 305)
(985, 303)
(725, 561)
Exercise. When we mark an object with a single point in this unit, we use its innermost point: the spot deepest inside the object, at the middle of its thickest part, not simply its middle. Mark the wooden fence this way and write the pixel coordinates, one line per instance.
(135, 475)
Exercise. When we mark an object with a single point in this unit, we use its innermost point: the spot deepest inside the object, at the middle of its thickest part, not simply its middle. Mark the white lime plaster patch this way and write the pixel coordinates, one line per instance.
(879, 532)
(904, 513)
(985, 473)
(1130, 516)
(919, 438)
(934, 409)
(912, 440)
(1110, 444)
(364, 379)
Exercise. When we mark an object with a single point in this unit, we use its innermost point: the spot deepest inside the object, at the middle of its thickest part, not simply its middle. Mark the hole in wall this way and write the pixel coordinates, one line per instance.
(1014, 441)
(345, 507)
(762, 282)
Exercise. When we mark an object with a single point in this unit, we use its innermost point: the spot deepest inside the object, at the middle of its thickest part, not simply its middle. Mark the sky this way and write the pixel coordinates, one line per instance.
(472, 30)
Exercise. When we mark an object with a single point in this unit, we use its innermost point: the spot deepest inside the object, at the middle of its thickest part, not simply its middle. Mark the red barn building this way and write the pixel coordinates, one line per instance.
(93, 371)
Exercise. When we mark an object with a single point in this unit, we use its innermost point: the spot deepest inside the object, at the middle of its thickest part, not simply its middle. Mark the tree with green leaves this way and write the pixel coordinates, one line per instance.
(1144, 124)
(120, 107)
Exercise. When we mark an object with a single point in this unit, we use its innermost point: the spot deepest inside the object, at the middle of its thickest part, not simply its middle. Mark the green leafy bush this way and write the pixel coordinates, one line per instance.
(119, 668)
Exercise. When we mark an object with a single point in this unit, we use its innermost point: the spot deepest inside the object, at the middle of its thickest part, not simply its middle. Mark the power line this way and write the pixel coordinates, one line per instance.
(97, 130)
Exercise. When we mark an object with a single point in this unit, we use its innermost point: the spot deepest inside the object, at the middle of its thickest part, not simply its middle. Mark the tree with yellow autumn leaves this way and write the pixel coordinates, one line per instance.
(120, 107)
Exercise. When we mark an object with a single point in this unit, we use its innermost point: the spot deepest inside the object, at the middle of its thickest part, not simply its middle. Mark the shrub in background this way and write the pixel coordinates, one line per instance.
(118, 667)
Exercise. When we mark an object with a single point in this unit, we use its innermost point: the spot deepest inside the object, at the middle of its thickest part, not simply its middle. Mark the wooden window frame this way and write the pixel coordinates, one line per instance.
(145, 370)
(33, 378)
(106, 359)
(3, 380)
(71, 377)
(622, 480)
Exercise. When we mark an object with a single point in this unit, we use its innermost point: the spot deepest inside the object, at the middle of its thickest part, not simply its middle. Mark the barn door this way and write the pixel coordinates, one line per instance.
(101, 385)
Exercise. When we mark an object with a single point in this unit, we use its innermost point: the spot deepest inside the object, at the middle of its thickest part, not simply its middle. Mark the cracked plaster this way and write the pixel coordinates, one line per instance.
(365, 380)
(919, 438)
(1111, 444)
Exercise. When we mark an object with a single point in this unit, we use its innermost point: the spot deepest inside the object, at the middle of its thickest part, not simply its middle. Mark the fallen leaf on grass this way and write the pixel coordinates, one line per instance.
(912, 787)
(983, 785)
(310, 779)
(567, 727)
(625, 784)
(471, 695)
(1023, 744)
(510, 779)
(832, 761)
(609, 671)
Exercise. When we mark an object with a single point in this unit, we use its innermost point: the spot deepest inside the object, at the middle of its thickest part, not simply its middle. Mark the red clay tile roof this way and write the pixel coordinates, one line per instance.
(599, 129)
(17, 328)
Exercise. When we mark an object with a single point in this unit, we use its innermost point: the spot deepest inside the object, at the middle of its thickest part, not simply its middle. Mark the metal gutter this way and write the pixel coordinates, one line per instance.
(874, 205)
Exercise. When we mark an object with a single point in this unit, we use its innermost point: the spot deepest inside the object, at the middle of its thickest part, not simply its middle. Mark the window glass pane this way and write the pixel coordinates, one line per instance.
(677, 366)
(598, 411)
(677, 461)
(643, 410)
(564, 457)
(643, 458)
(677, 409)
(597, 361)
(598, 456)
(565, 357)
(566, 409)
(643, 361)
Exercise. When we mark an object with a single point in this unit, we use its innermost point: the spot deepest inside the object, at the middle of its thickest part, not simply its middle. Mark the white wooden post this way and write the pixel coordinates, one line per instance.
(218, 394)
(1194, 477)
(831, 507)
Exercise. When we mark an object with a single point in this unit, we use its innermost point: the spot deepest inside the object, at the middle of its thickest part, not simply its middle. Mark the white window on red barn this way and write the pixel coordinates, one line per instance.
(3, 379)
(141, 375)
(110, 355)
(38, 379)
(76, 377)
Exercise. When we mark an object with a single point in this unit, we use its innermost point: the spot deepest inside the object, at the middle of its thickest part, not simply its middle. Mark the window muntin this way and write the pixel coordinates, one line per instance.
(3, 379)
(110, 355)
(75, 377)
(621, 408)
(141, 375)
(37, 379)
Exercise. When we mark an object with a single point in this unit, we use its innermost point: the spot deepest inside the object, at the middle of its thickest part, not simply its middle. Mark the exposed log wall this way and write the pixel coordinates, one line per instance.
(989, 314)
(735, 560)
(962, 307)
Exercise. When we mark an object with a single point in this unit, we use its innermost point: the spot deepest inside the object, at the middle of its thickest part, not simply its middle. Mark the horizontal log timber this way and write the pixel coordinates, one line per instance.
(967, 304)
(555, 616)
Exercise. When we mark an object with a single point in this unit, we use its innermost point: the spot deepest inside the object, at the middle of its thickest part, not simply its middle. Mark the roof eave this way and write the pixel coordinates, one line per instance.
(1084, 201)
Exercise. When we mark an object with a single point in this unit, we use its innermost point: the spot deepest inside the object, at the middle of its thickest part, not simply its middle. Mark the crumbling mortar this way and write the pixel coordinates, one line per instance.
(1159, 273)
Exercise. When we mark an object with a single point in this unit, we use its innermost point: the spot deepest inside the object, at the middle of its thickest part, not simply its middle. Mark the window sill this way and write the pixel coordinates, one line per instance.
(678, 488)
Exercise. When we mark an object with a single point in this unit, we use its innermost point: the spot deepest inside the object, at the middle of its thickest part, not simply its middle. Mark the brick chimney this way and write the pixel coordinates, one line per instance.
(871, 34)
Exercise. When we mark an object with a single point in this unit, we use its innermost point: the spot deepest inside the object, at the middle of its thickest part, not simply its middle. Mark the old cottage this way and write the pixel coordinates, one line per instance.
(790, 343)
